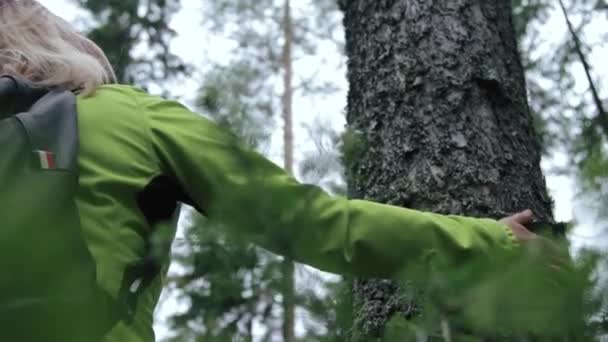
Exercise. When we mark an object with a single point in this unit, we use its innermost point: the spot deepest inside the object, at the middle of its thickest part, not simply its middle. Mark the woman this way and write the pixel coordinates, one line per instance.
(137, 150)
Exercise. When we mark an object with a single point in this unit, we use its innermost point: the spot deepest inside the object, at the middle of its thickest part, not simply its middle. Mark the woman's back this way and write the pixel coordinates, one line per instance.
(116, 163)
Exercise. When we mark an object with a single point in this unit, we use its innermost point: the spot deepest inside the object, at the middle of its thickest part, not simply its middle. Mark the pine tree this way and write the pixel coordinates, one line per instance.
(229, 283)
(259, 83)
(122, 25)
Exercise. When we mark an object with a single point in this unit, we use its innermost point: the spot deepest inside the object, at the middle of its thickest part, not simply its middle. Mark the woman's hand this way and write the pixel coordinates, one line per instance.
(517, 221)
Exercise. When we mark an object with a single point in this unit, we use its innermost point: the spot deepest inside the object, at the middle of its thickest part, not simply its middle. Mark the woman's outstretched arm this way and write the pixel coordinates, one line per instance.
(251, 196)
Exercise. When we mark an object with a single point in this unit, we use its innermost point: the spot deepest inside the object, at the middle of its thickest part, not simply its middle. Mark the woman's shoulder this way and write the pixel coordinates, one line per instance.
(111, 102)
(117, 97)
(120, 93)
(108, 92)
(126, 102)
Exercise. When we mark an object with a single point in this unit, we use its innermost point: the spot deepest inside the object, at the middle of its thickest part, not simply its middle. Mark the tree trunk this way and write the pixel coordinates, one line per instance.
(249, 337)
(288, 265)
(437, 92)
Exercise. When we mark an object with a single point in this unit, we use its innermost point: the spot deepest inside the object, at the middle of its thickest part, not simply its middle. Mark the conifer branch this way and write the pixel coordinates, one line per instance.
(602, 117)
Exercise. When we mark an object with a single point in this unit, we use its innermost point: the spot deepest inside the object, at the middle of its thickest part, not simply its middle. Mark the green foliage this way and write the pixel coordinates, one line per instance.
(229, 285)
(525, 13)
(541, 294)
(323, 165)
(328, 307)
(593, 179)
(233, 97)
(122, 26)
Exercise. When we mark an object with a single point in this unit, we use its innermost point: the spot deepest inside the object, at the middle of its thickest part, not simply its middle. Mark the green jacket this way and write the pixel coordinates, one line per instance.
(129, 138)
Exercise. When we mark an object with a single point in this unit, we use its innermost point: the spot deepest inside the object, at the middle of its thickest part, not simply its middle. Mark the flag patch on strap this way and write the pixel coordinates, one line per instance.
(46, 158)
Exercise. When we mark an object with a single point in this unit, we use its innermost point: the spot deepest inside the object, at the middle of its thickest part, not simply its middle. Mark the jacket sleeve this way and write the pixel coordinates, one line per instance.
(241, 190)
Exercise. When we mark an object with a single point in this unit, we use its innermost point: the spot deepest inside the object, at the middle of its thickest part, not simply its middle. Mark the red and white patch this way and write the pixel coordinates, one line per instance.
(47, 159)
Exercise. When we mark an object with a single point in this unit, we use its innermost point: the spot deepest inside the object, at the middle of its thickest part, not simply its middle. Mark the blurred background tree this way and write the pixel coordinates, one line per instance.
(246, 96)
(566, 94)
(135, 35)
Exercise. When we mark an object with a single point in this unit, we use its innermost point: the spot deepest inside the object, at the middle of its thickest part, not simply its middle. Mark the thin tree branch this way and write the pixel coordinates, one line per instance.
(602, 116)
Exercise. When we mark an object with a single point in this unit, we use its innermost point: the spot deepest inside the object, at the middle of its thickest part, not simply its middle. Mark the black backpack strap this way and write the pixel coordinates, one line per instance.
(52, 127)
(49, 117)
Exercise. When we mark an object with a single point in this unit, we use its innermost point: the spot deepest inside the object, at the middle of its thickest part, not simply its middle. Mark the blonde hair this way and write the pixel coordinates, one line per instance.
(39, 46)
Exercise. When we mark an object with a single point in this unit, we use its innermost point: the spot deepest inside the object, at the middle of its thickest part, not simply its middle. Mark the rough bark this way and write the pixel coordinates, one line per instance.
(437, 93)
(287, 267)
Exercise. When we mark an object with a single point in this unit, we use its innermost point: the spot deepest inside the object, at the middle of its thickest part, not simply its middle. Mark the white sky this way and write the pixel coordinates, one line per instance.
(192, 43)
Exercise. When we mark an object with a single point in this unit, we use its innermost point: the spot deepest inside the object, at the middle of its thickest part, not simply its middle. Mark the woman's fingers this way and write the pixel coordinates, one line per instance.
(523, 217)
(516, 223)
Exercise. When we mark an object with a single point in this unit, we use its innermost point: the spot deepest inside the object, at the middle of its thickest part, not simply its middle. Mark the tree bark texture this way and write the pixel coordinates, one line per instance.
(437, 93)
